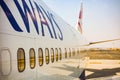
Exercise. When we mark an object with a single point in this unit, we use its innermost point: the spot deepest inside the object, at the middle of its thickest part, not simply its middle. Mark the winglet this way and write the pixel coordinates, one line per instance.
(79, 25)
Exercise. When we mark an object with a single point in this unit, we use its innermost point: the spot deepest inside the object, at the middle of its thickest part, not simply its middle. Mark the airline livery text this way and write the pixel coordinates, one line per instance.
(46, 19)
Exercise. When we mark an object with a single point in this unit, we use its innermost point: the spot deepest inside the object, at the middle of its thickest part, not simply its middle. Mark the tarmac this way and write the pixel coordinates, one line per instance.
(103, 70)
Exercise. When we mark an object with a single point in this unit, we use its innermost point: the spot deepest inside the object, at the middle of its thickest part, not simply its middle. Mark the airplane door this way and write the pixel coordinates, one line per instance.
(5, 62)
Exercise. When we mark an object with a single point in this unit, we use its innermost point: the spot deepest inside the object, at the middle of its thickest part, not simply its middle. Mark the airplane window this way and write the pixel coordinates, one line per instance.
(56, 51)
(65, 53)
(60, 54)
(40, 56)
(73, 52)
(47, 55)
(69, 52)
(78, 51)
(52, 55)
(32, 58)
(21, 59)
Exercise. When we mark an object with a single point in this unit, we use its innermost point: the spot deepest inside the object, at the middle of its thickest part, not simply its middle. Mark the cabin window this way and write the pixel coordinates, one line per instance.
(47, 55)
(21, 59)
(32, 58)
(73, 52)
(40, 56)
(65, 53)
(60, 54)
(78, 51)
(56, 52)
(52, 55)
(69, 52)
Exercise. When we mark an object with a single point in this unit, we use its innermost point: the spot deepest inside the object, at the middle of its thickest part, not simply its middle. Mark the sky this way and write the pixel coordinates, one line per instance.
(101, 18)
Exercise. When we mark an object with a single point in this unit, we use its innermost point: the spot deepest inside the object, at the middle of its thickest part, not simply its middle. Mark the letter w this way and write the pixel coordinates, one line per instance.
(25, 15)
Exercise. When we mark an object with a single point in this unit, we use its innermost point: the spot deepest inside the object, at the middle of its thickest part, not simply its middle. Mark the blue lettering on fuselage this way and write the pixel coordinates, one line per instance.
(24, 15)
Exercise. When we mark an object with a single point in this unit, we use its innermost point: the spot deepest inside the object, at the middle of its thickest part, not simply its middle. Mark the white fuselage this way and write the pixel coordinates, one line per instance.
(36, 44)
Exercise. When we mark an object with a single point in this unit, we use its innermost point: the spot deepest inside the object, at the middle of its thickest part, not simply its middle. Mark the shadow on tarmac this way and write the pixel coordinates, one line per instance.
(75, 71)
(102, 73)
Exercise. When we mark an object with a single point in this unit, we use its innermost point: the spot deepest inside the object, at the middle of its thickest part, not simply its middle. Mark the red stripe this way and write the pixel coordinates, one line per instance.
(80, 15)
(79, 26)
(79, 23)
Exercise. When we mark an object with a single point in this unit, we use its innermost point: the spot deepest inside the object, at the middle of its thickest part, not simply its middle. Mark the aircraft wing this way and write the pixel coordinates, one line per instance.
(98, 42)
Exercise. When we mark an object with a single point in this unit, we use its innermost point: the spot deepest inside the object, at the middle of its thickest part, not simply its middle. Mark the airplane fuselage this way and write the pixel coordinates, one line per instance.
(35, 43)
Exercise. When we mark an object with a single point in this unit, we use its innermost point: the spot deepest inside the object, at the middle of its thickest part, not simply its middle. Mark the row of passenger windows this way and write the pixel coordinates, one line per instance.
(50, 54)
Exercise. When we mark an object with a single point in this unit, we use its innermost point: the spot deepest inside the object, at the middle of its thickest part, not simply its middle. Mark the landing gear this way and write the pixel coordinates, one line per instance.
(82, 76)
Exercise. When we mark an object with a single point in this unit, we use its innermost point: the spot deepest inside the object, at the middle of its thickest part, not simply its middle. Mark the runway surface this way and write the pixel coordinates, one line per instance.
(103, 70)
(104, 64)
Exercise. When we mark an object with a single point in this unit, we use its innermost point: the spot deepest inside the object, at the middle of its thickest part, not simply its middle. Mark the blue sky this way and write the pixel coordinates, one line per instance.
(101, 18)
